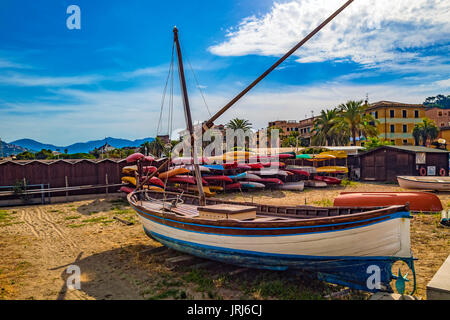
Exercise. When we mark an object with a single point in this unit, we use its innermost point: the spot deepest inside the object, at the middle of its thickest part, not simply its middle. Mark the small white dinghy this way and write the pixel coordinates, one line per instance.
(315, 184)
(291, 186)
(437, 183)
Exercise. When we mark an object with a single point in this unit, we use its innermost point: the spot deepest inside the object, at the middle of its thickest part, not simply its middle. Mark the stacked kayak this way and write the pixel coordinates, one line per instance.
(242, 171)
(328, 180)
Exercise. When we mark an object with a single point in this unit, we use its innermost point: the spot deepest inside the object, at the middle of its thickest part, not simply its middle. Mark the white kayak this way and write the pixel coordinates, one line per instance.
(291, 186)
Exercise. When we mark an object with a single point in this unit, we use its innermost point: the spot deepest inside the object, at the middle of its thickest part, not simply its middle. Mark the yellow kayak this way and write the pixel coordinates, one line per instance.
(154, 188)
(131, 180)
(129, 169)
(215, 188)
(332, 169)
(322, 157)
(206, 190)
(338, 154)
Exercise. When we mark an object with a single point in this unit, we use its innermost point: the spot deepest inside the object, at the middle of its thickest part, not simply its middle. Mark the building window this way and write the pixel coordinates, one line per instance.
(392, 128)
(416, 113)
(393, 141)
(391, 112)
(404, 114)
(440, 113)
(296, 129)
(442, 124)
(405, 141)
(405, 128)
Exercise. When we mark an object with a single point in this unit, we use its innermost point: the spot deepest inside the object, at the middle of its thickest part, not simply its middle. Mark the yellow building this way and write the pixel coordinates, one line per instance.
(396, 120)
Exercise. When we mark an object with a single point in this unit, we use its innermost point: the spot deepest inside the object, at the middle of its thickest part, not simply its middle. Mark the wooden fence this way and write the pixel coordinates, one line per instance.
(63, 173)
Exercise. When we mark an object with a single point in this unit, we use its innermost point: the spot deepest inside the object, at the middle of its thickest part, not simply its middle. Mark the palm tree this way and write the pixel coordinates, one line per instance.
(417, 134)
(237, 123)
(352, 113)
(427, 129)
(156, 147)
(324, 127)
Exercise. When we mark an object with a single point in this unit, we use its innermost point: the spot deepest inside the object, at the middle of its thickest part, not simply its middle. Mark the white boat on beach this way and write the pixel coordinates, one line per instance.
(437, 183)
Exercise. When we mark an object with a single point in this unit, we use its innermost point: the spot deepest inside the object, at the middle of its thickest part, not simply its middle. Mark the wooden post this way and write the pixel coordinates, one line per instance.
(106, 179)
(67, 186)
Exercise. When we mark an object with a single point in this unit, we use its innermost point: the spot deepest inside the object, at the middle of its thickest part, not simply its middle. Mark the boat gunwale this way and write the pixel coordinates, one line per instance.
(378, 213)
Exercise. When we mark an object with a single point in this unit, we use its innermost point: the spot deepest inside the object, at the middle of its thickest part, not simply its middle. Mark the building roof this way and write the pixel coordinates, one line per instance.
(393, 104)
(411, 149)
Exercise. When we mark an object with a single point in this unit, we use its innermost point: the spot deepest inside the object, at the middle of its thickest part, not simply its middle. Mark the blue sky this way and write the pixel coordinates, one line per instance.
(62, 86)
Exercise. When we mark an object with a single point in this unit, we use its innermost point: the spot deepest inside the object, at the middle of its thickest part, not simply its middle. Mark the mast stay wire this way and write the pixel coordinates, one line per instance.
(197, 82)
(164, 92)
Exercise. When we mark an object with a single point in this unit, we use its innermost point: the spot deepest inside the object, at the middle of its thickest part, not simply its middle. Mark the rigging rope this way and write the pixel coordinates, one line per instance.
(164, 92)
(197, 82)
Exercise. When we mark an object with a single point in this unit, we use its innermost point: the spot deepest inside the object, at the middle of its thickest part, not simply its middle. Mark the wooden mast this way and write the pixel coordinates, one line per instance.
(187, 112)
(208, 124)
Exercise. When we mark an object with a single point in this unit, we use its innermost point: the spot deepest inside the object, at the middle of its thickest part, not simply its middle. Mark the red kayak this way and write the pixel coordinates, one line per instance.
(149, 169)
(233, 186)
(267, 180)
(148, 159)
(134, 157)
(218, 179)
(299, 172)
(327, 180)
(126, 189)
(418, 201)
(243, 166)
(230, 165)
(273, 164)
(255, 165)
(156, 181)
(185, 179)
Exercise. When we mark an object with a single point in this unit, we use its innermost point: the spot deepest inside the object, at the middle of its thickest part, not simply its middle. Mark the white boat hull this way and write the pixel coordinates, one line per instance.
(424, 183)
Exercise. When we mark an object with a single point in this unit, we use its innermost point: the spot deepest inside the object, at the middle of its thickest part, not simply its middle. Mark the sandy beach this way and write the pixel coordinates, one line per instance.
(37, 243)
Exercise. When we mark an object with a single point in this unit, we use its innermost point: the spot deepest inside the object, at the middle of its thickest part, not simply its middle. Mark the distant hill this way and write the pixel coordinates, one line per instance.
(11, 149)
(80, 147)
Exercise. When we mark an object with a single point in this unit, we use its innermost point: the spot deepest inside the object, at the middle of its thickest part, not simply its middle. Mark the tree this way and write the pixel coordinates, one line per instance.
(440, 101)
(156, 147)
(352, 117)
(324, 127)
(376, 142)
(426, 130)
(236, 124)
(44, 154)
(27, 155)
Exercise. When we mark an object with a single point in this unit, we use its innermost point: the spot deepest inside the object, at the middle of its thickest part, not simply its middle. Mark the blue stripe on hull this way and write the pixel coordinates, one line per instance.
(347, 271)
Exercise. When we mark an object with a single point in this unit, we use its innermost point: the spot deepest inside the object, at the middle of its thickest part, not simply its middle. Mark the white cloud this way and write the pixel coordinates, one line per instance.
(443, 83)
(134, 113)
(372, 33)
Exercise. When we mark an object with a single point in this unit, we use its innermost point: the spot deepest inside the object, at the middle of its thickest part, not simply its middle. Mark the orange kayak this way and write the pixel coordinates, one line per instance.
(418, 201)
(172, 173)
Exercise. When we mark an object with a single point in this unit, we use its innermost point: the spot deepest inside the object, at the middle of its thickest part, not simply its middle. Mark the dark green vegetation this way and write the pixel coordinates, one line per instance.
(439, 101)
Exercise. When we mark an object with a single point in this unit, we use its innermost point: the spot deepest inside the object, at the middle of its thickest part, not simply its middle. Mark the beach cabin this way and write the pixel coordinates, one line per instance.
(387, 162)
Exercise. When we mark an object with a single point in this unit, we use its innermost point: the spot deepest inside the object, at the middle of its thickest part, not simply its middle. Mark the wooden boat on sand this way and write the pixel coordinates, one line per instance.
(418, 201)
(437, 183)
(340, 245)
